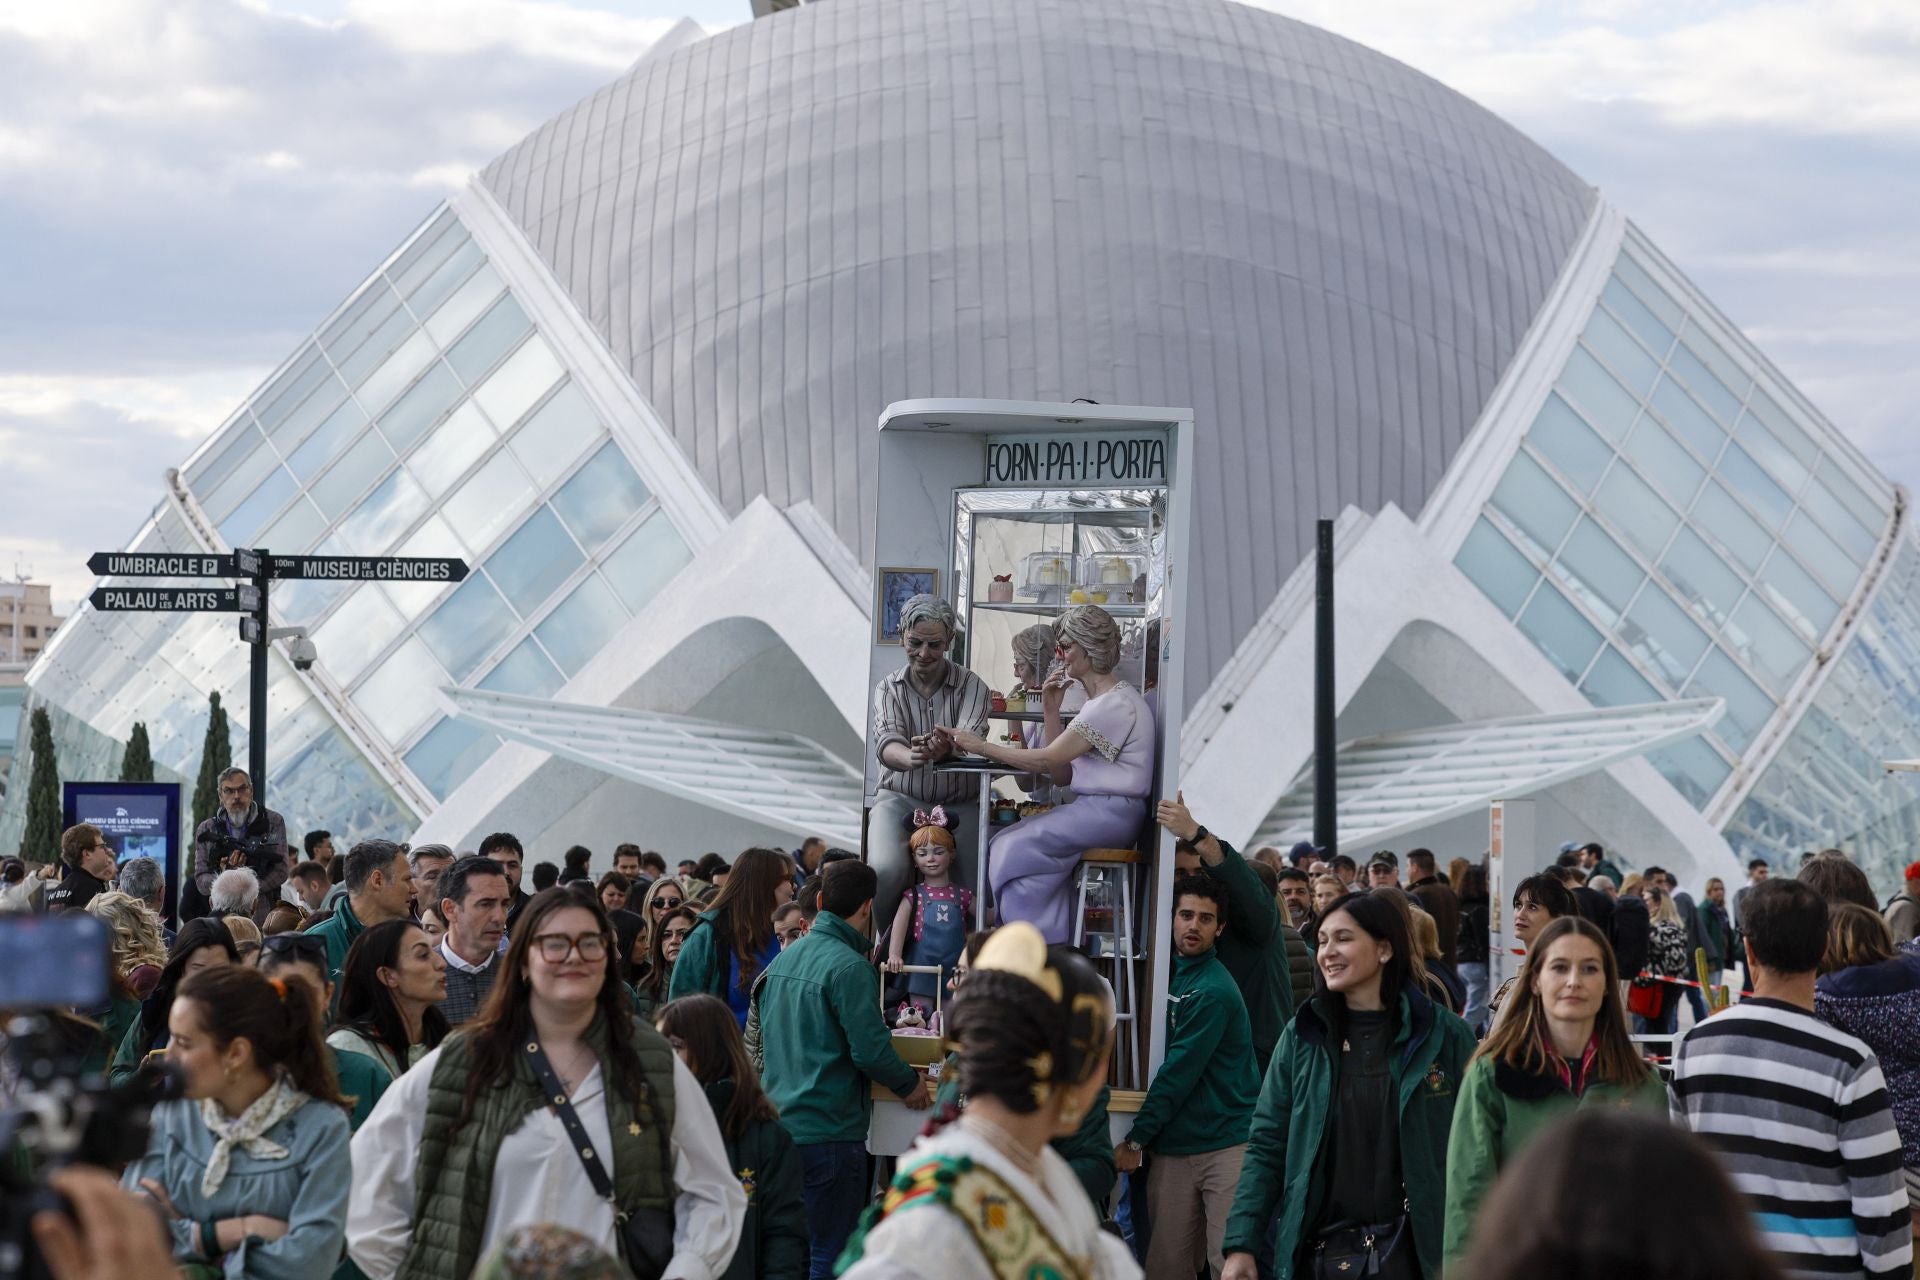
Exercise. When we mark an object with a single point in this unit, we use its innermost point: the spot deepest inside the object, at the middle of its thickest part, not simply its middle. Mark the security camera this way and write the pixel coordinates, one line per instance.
(303, 654)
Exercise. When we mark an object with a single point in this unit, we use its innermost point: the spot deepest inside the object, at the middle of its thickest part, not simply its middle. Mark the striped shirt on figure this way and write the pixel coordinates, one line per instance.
(1798, 1113)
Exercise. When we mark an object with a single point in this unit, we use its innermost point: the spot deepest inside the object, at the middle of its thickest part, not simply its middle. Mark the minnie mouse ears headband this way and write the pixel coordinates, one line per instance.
(934, 817)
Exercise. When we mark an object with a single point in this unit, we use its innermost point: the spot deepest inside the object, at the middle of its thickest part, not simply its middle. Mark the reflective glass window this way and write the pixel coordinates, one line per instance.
(429, 248)
(1688, 420)
(1596, 570)
(1636, 510)
(1570, 444)
(1781, 426)
(455, 445)
(1770, 453)
(467, 626)
(519, 382)
(600, 496)
(355, 633)
(391, 378)
(1638, 316)
(308, 414)
(1493, 564)
(1821, 554)
(1748, 705)
(1716, 512)
(650, 557)
(535, 560)
(446, 278)
(299, 602)
(399, 696)
(433, 538)
(1767, 644)
(1662, 459)
(341, 426)
(464, 305)
(1709, 584)
(1710, 353)
(558, 432)
(447, 753)
(491, 337)
(251, 516)
(1839, 520)
(491, 499)
(213, 466)
(1607, 405)
(1872, 511)
(420, 407)
(526, 671)
(380, 344)
(1661, 635)
(388, 512)
(1712, 392)
(246, 475)
(1567, 638)
(1640, 280)
(1616, 682)
(294, 384)
(1794, 592)
(360, 318)
(1695, 769)
(581, 625)
(1535, 502)
(1748, 479)
(1627, 359)
(337, 491)
(295, 530)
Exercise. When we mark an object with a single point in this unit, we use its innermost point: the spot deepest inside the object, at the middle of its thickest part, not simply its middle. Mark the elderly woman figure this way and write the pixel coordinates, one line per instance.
(1037, 666)
(1106, 755)
(909, 707)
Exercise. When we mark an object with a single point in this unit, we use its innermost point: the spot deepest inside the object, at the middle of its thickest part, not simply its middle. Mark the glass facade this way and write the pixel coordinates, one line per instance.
(425, 417)
(1668, 530)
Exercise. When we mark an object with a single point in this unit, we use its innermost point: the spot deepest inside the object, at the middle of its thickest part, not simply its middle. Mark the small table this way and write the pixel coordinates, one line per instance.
(987, 770)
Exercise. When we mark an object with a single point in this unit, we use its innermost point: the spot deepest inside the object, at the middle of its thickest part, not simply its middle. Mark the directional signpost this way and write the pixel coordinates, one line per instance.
(249, 599)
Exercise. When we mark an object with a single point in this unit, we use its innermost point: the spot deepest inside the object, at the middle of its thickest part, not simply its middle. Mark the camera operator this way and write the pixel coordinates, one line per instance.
(241, 834)
(89, 870)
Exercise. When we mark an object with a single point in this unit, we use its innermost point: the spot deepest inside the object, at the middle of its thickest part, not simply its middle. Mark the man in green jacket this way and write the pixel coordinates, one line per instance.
(823, 1040)
(1195, 1115)
(1252, 934)
(379, 888)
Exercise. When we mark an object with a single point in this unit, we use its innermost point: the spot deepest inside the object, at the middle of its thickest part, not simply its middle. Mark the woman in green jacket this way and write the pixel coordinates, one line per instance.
(1349, 1140)
(1562, 1045)
(389, 1010)
(733, 942)
(773, 1240)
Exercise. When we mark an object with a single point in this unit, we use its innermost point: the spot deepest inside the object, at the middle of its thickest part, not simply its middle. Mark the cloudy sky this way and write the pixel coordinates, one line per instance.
(188, 186)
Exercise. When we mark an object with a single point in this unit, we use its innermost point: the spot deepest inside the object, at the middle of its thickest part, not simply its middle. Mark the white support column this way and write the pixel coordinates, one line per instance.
(1510, 859)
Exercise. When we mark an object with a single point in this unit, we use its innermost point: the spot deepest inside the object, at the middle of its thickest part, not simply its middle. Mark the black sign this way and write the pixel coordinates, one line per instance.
(246, 563)
(142, 564)
(241, 599)
(250, 631)
(371, 568)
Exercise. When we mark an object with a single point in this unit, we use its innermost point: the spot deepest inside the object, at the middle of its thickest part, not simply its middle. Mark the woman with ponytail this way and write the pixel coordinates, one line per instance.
(250, 1165)
(986, 1196)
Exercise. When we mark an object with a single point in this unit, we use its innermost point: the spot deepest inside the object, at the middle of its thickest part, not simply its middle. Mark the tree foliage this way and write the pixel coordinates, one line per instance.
(137, 764)
(215, 756)
(41, 841)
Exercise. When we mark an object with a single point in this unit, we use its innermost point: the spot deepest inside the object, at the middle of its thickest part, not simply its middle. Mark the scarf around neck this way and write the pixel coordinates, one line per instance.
(246, 1130)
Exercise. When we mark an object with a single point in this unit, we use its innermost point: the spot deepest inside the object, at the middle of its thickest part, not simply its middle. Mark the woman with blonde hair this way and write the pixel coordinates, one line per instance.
(1443, 981)
(1561, 1045)
(138, 957)
(1871, 989)
(1667, 957)
(246, 937)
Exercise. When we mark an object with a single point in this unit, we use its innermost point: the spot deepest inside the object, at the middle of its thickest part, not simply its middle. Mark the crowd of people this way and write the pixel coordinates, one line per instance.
(396, 1060)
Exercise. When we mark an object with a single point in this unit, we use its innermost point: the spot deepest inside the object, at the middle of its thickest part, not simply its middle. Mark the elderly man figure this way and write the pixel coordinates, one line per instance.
(241, 834)
(909, 707)
(236, 892)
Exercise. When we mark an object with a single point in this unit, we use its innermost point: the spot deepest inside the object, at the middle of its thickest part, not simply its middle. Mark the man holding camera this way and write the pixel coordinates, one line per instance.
(241, 834)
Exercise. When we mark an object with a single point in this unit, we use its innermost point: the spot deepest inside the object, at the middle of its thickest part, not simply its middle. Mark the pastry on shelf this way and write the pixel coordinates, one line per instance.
(1000, 590)
(1115, 572)
(1077, 596)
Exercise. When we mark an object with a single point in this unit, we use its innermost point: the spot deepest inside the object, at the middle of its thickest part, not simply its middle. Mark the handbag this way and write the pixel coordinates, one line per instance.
(1645, 998)
(646, 1235)
(1380, 1252)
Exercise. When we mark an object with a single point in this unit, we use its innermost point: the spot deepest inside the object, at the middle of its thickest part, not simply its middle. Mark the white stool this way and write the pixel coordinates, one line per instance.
(1116, 943)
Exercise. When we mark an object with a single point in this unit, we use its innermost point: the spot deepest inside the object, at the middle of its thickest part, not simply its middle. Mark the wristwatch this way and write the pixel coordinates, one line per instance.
(1132, 1146)
(1199, 834)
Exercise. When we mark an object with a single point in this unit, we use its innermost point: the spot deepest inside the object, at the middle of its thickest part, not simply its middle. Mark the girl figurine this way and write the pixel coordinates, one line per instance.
(934, 919)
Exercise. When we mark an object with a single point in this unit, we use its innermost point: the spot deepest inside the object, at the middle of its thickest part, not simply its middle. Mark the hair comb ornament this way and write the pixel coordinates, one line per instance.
(1019, 949)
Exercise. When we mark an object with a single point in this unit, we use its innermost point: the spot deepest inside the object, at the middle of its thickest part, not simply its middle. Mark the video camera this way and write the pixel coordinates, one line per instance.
(258, 849)
(51, 1108)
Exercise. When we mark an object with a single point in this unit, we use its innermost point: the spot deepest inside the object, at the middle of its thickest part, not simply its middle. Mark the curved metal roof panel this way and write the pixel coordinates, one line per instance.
(783, 228)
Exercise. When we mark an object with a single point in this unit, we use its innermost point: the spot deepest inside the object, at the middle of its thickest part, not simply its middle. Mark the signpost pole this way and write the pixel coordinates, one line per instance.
(257, 687)
(1326, 832)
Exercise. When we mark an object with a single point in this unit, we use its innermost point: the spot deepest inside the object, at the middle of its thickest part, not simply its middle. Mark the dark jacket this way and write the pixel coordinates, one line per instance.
(75, 889)
(1203, 1094)
(1283, 1168)
(268, 862)
(1476, 918)
(1632, 928)
(1299, 972)
(773, 1238)
(1716, 934)
(1596, 907)
(1880, 1003)
(1438, 900)
(1690, 917)
(1252, 951)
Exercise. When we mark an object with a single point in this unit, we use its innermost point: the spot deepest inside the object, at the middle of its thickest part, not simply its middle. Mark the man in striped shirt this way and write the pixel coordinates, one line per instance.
(1796, 1110)
(909, 705)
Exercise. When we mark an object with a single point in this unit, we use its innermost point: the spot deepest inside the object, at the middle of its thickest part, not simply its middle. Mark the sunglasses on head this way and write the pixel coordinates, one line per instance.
(307, 946)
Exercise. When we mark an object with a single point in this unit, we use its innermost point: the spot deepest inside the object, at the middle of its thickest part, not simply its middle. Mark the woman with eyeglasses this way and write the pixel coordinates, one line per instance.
(388, 1019)
(200, 944)
(669, 935)
(561, 1090)
(662, 896)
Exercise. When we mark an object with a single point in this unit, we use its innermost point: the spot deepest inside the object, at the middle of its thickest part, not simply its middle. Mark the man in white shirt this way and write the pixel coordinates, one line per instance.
(473, 899)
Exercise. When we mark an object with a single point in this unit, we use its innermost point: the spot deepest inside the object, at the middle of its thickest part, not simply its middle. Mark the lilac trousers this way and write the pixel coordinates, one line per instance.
(1030, 864)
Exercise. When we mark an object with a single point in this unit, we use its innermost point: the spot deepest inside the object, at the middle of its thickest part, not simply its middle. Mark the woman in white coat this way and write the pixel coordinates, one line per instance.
(986, 1197)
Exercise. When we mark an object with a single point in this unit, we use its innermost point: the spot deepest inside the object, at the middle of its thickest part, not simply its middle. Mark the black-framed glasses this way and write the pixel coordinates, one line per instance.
(304, 946)
(555, 948)
(666, 904)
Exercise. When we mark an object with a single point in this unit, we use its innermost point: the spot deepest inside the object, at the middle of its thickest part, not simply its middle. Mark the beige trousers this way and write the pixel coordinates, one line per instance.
(1188, 1198)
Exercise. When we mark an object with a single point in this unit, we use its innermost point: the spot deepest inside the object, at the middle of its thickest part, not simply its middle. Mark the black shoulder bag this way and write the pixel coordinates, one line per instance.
(646, 1235)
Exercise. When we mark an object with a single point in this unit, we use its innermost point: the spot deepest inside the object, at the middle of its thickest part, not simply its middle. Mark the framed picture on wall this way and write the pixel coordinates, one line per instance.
(892, 589)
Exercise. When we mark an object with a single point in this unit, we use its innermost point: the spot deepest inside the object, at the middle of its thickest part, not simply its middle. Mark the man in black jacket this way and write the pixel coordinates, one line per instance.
(88, 864)
(241, 834)
(1437, 898)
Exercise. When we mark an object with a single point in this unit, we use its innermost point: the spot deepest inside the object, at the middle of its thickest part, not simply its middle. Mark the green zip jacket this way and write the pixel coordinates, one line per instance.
(340, 929)
(1283, 1166)
(1202, 1096)
(822, 1036)
(1253, 949)
(773, 1237)
(701, 967)
(1499, 1111)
